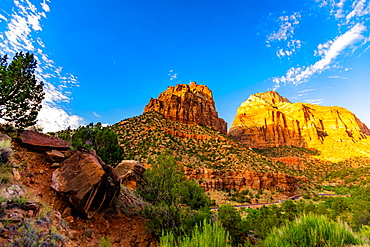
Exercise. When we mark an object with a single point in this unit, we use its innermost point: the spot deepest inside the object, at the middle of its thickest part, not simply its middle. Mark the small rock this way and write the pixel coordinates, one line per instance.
(72, 234)
(1, 225)
(12, 191)
(70, 219)
(14, 217)
(4, 233)
(55, 165)
(54, 156)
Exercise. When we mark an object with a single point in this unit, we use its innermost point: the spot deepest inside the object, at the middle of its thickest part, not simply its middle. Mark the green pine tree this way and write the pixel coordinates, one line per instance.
(20, 93)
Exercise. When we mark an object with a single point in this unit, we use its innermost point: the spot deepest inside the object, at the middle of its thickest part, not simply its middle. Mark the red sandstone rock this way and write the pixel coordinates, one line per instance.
(41, 141)
(130, 172)
(190, 104)
(86, 182)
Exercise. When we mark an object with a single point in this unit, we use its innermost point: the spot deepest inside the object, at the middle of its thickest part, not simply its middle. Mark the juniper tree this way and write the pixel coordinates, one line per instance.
(20, 93)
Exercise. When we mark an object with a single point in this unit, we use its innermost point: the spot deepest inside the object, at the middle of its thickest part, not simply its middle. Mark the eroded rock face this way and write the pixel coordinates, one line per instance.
(269, 120)
(190, 104)
(39, 141)
(221, 180)
(130, 172)
(86, 182)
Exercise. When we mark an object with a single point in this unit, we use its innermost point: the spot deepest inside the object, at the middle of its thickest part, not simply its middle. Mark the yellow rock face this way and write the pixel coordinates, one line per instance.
(269, 120)
(190, 104)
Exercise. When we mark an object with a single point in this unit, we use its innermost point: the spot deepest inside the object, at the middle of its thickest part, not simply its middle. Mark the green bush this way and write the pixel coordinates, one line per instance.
(230, 219)
(176, 204)
(312, 230)
(95, 137)
(105, 242)
(206, 235)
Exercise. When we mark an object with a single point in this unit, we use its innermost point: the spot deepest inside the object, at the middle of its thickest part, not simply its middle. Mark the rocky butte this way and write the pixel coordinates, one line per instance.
(189, 104)
(270, 120)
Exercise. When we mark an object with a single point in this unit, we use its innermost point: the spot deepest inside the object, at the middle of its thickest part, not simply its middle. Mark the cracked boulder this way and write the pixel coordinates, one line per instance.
(86, 182)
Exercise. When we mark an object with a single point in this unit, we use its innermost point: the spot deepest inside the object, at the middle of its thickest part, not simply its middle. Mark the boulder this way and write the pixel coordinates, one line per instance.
(86, 182)
(130, 172)
(42, 142)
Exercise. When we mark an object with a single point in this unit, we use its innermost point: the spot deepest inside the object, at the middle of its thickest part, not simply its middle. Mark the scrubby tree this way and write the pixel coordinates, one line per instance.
(175, 204)
(99, 138)
(20, 93)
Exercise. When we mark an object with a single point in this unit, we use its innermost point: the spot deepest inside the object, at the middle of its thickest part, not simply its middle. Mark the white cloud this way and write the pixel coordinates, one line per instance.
(315, 101)
(172, 75)
(359, 9)
(96, 114)
(23, 25)
(287, 24)
(329, 51)
(286, 45)
(53, 119)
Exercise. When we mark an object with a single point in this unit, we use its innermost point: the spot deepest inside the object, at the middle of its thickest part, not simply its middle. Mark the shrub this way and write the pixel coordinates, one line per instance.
(176, 204)
(30, 234)
(206, 235)
(105, 242)
(230, 219)
(312, 230)
(96, 137)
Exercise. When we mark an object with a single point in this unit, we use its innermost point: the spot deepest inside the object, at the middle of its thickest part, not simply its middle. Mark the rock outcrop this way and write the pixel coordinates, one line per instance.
(221, 180)
(39, 141)
(190, 104)
(87, 183)
(130, 172)
(269, 120)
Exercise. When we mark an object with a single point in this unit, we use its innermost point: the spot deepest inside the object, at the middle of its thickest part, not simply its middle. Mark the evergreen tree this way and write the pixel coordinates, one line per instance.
(99, 138)
(20, 93)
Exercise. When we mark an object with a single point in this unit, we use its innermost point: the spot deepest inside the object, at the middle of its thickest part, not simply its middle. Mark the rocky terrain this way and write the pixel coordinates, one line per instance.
(190, 104)
(270, 120)
(53, 195)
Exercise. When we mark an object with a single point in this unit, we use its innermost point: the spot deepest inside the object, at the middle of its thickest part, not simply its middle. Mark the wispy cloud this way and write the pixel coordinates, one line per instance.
(287, 45)
(21, 34)
(329, 51)
(96, 114)
(172, 75)
(315, 101)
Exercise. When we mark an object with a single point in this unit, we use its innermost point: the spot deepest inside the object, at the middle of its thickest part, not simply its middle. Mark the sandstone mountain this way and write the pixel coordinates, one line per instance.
(190, 104)
(270, 120)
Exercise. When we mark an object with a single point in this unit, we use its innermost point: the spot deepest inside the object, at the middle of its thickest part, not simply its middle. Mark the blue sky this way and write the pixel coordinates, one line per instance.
(102, 61)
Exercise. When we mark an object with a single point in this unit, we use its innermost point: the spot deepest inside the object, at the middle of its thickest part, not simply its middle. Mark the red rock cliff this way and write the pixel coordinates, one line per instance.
(190, 104)
(269, 120)
(239, 180)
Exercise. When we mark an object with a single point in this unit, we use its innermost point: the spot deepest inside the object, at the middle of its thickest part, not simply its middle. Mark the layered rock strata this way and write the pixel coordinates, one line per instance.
(190, 104)
(221, 180)
(269, 120)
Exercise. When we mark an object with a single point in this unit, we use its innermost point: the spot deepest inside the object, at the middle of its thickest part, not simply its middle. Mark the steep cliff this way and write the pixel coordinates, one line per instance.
(269, 120)
(190, 104)
(211, 179)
